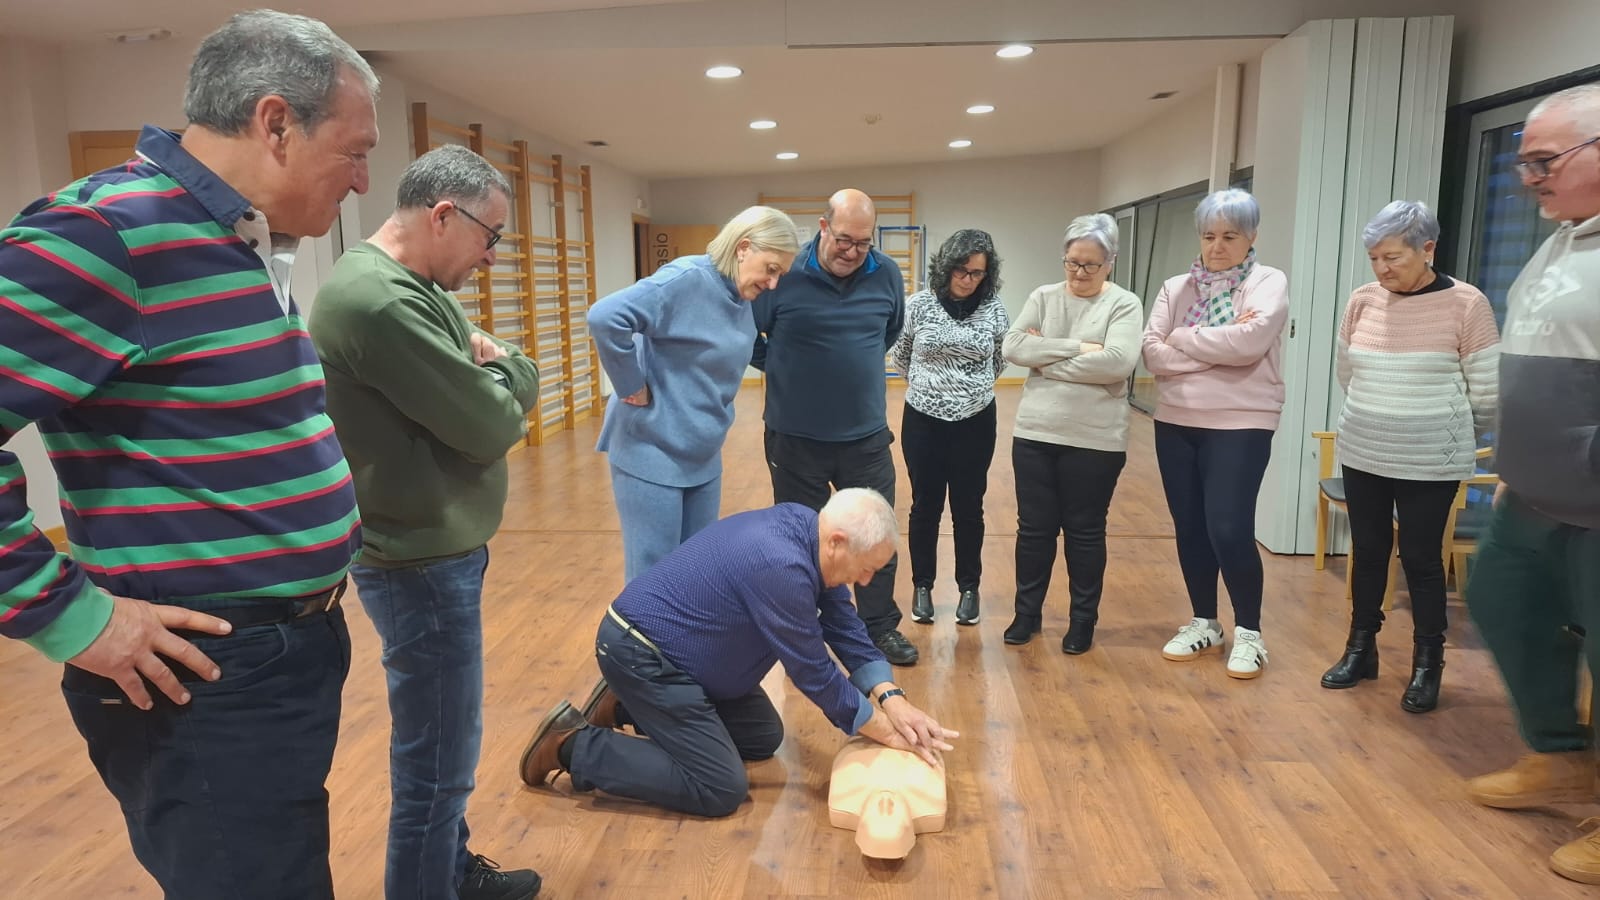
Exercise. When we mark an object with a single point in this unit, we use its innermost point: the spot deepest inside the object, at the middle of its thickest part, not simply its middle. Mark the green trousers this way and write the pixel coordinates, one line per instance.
(1533, 582)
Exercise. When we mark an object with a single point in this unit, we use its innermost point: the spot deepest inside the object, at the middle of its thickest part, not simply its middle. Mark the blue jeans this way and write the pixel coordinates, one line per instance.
(693, 760)
(428, 618)
(656, 518)
(225, 796)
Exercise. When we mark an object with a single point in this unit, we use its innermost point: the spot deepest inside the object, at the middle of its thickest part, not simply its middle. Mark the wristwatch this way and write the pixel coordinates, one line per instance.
(892, 692)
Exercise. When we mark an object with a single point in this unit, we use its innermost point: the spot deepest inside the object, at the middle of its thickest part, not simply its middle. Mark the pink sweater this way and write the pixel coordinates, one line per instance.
(1224, 377)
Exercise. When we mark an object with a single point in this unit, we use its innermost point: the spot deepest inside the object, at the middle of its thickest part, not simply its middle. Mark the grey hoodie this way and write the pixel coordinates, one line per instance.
(1548, 452)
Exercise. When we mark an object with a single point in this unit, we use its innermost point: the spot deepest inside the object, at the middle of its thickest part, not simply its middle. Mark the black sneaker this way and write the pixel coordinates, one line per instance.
(967, 607)
(485, 881)
(896, 648)
(922, 605)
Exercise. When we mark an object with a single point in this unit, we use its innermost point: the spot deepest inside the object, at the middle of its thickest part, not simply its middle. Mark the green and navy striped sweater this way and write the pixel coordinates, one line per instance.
(181, 406)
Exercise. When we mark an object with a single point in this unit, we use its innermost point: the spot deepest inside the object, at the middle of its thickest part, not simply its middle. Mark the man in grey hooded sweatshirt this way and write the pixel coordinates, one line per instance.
(1535, 590)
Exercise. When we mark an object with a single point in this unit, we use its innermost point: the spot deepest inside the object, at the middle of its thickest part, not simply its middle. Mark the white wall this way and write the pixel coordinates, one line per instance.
(1502, 45)
(1171, 150)
(1025, 203)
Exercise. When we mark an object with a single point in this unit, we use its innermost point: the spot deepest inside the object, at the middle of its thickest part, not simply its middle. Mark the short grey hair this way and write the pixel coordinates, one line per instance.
(1581, 103)
(1100, 228)
(451, 172)
(1409, 220)
(765, 227)
(1234, 208)
(263, 53)
(866, 519)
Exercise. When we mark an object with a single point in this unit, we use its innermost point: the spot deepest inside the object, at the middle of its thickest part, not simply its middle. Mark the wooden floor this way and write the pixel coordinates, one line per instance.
(1111, 774)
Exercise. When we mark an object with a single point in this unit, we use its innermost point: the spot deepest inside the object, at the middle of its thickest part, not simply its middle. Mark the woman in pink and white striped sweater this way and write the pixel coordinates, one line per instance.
(1418, 361)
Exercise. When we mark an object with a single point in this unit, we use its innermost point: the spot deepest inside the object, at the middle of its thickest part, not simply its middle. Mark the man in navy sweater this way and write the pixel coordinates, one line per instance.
(822, 336)
(683, 650)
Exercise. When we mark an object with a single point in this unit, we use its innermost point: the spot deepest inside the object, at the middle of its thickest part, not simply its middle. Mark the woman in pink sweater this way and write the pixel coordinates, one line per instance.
(1418, 361)
(1213, 345)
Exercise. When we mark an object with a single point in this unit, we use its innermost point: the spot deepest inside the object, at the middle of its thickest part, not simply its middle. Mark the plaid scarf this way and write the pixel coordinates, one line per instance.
(1213, 303)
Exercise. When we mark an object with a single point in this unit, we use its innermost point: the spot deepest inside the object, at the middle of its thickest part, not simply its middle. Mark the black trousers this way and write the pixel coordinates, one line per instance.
(1212, 477)
(1376, 504)
(802, 472)
(1062, 490)
(947, 458)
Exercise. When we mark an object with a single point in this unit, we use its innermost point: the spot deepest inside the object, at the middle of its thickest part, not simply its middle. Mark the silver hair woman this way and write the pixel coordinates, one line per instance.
(949, 352)
(675, 346)
(1418, 347)
(1079, 340)
(1214, 345)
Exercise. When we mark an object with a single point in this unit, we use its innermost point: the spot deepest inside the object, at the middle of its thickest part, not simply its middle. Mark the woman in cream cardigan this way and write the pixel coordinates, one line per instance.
(1079, 340)
(1214, 345)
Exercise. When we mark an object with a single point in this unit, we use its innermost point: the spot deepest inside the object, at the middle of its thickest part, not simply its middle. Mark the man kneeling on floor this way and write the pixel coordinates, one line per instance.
(683, 650)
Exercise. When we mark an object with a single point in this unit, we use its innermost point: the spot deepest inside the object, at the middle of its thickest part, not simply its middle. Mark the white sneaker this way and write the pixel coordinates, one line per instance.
(1249, 655)
(1192, 640)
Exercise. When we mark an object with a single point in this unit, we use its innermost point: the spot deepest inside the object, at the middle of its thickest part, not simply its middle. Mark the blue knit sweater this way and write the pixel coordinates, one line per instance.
(685, 333)
(825, 343)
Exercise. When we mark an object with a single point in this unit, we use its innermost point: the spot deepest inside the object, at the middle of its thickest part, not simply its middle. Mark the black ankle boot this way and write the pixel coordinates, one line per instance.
(1360, 661)
(1427, 667)
(922, 605)
(1079, 637)
(1022, 629)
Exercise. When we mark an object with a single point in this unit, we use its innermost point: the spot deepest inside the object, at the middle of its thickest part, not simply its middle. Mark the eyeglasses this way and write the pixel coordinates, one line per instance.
(967, 274)
(494, 236)
(1085, 268)
(845, 243)
(1540, 168)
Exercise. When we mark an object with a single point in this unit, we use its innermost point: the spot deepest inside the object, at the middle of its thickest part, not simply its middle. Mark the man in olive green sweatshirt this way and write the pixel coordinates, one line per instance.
(426, 407)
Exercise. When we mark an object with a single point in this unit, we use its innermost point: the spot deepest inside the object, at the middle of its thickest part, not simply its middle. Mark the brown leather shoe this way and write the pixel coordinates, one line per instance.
(1580, 860)
(1538, 779)
(601, 707)
(542, 758)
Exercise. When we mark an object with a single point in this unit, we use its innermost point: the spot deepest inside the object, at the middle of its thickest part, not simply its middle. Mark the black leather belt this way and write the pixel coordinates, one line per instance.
(276, 610)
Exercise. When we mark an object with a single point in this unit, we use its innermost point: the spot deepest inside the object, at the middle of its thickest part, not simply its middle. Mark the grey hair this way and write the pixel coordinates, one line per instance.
(450, 172)
(263, 53)
(1409, 220)
(1232, 207)
(866, 519)
(765, 227)
(1100, 228)
(1582, 103)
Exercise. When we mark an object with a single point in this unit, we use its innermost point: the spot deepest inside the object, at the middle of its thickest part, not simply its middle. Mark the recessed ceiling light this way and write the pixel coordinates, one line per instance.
(960, 145)
(724, 72)
(763, 124)
(788, 154)
(1013, 51)
(980, 109)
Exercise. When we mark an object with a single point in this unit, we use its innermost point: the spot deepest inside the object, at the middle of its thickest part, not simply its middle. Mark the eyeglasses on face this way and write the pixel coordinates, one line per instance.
(966, 274)
(845, 243)
(1085, 268)
(1540, 168)
(494, 236)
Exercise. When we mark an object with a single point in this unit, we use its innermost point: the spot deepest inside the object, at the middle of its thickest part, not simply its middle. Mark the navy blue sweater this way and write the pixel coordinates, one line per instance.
(747, 592)
(822, 343)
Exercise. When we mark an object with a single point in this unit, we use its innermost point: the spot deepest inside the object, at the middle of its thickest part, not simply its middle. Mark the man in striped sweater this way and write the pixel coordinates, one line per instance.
(1538, 566)
(151, 335)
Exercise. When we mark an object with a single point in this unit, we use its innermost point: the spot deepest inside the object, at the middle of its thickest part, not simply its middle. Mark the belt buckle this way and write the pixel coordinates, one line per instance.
(323, 603)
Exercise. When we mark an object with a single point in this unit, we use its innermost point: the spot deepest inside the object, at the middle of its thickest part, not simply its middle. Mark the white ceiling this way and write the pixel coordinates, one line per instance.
(663, 118)
(631, 72)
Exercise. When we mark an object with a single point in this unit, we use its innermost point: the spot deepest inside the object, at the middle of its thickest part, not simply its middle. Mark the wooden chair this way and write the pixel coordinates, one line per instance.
(1460, 536)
